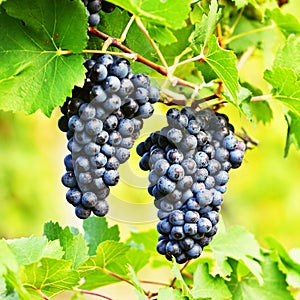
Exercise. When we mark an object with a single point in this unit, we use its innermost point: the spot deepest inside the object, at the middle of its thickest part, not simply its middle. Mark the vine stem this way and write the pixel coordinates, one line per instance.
(92, 293)
(160, 69)
(245, 56)
(237, 20)
(235, 37)
(153, 44)
(174, 279)
(41, 294)
(261, 98)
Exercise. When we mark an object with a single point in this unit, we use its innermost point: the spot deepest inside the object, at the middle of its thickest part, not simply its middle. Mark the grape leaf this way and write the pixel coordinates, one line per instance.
(244, 41)
(137, 258)
(241, 3)
(33, 69)
(293, 132)
(161, 34)
(113, 24)
(261, 110)
(169, 293)
(207, 26)
(110, 259)
(146, 240)
(96, 231)
(286, 87)
(49, 275)
(74, 246)
(15, 283)
(288, 56)
(167, 13)
(171, 51)
(185, 289)
(285, 262)
(239, 244)
(223, 63)
(274, 285)
(287, 23)
(138, 288)
(29, 250)
(7, 259)
(207, 286)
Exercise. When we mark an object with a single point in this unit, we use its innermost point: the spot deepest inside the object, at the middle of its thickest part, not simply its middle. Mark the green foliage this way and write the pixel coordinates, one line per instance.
(36, 266)
(96, 231)
(208, 286)
(168, 13)
(33, 76)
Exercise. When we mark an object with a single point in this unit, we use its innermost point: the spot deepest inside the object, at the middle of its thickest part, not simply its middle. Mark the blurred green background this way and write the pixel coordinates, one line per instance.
(263, 195)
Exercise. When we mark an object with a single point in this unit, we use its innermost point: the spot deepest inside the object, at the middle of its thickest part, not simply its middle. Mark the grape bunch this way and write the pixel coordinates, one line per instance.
(94, 7)
(189, 161)
(102, 120)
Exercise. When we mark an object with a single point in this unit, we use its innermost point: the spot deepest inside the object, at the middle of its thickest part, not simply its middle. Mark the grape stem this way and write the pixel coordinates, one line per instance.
(244, 57)
(92, 293)
(235, 37)
(140, 24)
(261, 98)
(160, 69)
(41, 294)
(181, 270)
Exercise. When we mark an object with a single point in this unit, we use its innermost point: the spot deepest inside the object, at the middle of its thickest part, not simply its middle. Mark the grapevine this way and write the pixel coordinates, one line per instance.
(156, 102)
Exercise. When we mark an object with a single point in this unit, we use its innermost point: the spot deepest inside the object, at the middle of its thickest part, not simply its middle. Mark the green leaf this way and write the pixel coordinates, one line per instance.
(114, 24)
(185, 289)
(13, 281)
(286, 87)
(261, 110)
(208, 24)
(293, 132)
(274, 285)
(138, 288)
(241, 40)
(239, 244)
(110, 258)
(108, 252)
(208, 286)
(170, 52)
(285, 262)
(50, 276)
(288, 56)
(286, 23)
(74, 246)
(137, 258)
(169, 293)
(96, 231)
(223, 63)
(168, 13)
(146, 240)
(29, 250)
(33, 69)
(7, 259)
(161, 34)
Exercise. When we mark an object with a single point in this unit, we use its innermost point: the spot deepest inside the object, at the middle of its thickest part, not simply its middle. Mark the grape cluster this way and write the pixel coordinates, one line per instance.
(189, 161)
(102, 120)
(93, 8)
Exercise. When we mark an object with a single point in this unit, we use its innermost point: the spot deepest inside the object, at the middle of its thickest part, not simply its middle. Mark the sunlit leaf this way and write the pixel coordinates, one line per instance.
(96, 230)
(50, 276)
(33, 69)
